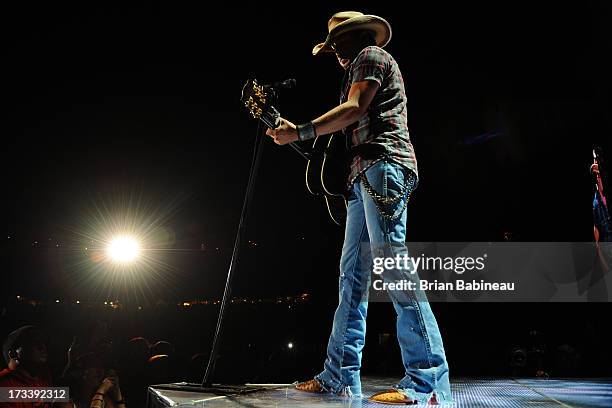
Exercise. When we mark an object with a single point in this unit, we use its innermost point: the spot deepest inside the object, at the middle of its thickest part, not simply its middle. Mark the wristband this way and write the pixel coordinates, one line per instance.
(306, 131)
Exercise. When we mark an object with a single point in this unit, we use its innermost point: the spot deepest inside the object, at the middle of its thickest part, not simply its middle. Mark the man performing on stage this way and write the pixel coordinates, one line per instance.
(383, 174)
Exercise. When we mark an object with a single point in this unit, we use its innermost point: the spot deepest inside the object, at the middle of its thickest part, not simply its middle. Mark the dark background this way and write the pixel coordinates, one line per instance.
(127, 116)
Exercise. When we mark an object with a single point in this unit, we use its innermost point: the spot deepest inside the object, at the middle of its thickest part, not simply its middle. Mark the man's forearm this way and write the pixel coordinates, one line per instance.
(338, 118)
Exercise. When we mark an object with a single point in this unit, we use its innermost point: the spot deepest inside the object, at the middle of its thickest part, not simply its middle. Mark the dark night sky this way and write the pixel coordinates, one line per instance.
(111, 106)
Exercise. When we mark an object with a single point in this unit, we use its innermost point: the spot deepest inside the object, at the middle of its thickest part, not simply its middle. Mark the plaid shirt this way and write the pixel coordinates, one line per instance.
(383, 131)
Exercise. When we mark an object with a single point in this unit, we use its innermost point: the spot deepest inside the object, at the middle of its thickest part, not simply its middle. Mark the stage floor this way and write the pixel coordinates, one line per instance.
(470, 392)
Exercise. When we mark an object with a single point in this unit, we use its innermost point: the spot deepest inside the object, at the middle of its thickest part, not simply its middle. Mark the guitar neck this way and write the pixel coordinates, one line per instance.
(305, 155)
(259, 103)
(270, 117)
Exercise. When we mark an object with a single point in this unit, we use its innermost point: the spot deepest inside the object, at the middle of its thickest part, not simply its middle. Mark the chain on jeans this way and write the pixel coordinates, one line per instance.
(380, 201)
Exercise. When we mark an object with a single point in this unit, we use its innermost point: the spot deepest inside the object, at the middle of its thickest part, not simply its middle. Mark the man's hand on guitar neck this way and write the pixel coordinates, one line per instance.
(285, 133)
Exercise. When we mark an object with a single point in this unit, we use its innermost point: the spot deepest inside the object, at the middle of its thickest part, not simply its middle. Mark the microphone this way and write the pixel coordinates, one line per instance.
(286, 84)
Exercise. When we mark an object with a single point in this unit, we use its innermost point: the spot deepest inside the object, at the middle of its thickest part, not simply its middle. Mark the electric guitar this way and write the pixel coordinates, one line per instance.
(328, 159)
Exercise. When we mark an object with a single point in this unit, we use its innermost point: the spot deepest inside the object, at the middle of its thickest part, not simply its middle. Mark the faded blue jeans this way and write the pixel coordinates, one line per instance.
(426, 369)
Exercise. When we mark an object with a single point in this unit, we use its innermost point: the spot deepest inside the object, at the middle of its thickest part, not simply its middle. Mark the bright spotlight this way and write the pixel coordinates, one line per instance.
(123, 249)
(290, 345)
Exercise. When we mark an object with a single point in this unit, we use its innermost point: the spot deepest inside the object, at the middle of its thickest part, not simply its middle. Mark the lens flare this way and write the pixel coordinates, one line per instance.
(123, 249)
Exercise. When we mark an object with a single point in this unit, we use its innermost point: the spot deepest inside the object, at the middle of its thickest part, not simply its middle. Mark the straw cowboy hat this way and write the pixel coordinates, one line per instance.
(346, 21)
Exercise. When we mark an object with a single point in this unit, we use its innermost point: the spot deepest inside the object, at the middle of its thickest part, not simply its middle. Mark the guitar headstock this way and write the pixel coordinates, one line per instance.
(257, 101)
(254, 98)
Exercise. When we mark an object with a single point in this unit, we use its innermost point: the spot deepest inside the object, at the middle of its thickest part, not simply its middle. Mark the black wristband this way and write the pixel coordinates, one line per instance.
(306, 131)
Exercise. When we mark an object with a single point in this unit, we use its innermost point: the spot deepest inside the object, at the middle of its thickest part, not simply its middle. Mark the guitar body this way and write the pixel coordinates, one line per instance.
(327, 174)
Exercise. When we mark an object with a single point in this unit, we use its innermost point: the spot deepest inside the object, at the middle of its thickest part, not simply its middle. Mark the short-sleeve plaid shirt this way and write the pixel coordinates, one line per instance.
(383, 131)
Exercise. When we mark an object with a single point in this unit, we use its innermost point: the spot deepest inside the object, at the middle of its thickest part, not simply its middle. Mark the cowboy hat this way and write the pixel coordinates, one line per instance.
(346, 21)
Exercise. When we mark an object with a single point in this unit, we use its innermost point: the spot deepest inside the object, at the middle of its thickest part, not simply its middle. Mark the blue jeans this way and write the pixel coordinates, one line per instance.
(426, 369)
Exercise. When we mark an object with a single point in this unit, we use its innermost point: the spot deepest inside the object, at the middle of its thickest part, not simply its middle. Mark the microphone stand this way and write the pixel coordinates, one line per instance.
(206, 385)
(240, 236)
(238, 245)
